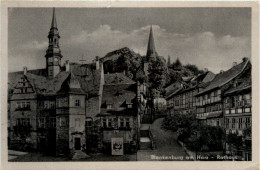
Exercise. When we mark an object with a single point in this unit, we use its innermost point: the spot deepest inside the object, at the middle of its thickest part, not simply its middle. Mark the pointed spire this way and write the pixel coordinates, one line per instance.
(54, 22)
(151, 46)
(169, 60)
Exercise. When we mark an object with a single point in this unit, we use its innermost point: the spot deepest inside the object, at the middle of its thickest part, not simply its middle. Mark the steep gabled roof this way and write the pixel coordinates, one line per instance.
(85, 77)
(46, 86)
(173, 92)
(117, 93)
(205, 77)
(226, 76)
(243, 83)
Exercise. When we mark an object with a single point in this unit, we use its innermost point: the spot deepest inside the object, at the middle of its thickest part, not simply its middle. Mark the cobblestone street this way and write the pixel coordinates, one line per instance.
(167, 148)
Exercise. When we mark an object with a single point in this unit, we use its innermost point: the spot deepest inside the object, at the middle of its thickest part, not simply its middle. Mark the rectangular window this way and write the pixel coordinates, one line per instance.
(63, 121)
(129, 106)
(77, 102)
(234, 101)
(28, 105)
(52, 104)
(233, 123)
(109, 106)
(247, 110)
(227, 123)
(239, 110)
(247, 100)
(122, 122)
(240, 120)
(89, 122)
(23, 105)
(227, 112)
(217, 123)
(18, 105)
(248, 122)
(46, 104)
(109, 122)
(104, 122)
(23, 122)
(77, 122)
(227, 102)
(127, 122)
(50, 72)
(52, 122)
(42, 122)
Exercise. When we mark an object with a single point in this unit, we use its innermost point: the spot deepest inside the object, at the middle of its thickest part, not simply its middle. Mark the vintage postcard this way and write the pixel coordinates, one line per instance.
(118, 85)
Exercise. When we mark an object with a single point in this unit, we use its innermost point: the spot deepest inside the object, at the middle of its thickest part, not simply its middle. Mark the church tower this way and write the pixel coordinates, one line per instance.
(53, 54)
(151, 52)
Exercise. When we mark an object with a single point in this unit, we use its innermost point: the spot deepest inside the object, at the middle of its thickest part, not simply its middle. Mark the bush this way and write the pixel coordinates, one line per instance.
(178, 121)
(234, 139)
(205, 138)
(196, 137)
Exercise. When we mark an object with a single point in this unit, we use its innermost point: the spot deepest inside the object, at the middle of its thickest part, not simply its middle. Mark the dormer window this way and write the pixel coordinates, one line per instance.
(129, 106)
(109, 106)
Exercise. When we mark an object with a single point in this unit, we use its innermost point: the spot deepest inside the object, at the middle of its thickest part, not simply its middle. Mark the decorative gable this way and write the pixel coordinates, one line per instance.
(23, 86)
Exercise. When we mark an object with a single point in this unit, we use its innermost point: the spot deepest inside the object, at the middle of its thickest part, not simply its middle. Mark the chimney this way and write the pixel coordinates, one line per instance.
(244, 59)
(97, 63)
(206, 70)
(24, 70)
(234, 64)
(124, 72)
(221, 71)
(67, 65)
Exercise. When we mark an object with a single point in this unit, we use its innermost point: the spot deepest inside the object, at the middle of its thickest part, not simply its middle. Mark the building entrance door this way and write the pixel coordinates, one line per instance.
(77, 143)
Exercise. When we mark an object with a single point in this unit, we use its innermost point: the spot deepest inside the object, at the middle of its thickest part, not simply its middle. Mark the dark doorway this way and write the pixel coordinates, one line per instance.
(42, 144)
(77, 144)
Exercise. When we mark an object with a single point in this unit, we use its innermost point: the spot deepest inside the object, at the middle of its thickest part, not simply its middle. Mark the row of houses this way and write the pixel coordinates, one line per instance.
(222, 100)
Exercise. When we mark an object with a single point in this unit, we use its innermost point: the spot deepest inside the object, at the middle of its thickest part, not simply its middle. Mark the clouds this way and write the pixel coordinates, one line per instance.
(204, 49)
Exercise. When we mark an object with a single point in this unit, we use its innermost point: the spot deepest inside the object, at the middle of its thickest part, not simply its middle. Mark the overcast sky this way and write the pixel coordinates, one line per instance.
(211, 38)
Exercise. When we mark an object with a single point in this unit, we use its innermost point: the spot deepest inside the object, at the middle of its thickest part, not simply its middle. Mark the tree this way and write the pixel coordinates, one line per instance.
(157, 75)
(194, 69)
(205, 138)
(247, 132)
(234, 140)
(177, 63)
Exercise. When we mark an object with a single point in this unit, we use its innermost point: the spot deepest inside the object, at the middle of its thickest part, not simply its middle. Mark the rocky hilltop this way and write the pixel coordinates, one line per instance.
(122, 60)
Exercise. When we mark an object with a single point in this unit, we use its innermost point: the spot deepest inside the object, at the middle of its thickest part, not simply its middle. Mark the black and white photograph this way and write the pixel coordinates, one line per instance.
(129, 84)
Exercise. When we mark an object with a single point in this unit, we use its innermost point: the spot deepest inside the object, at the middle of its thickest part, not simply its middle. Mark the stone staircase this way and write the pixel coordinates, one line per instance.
(78, 154)
(145, 141)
